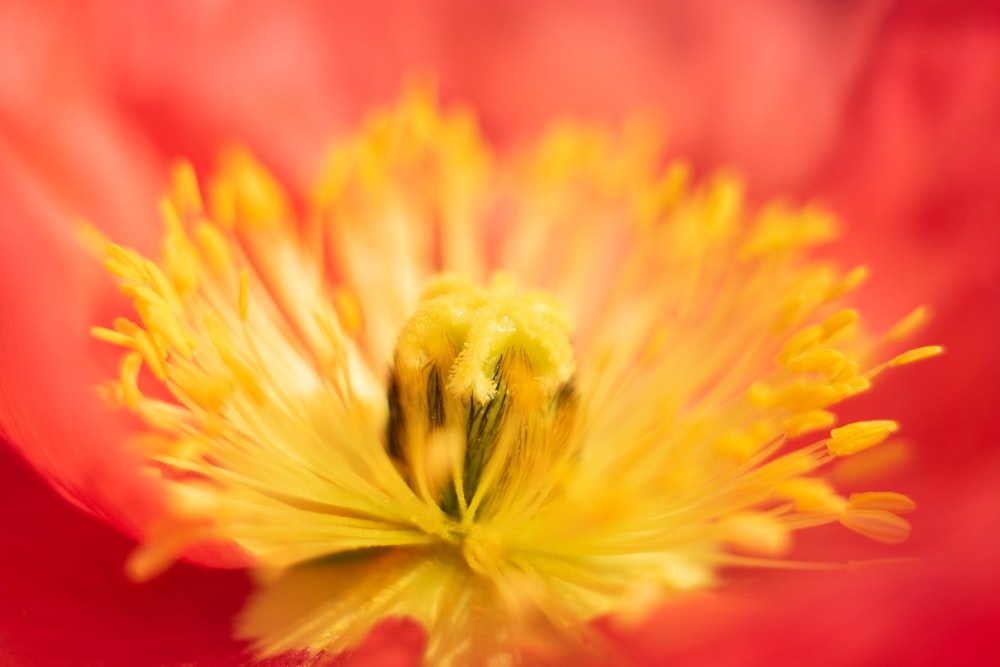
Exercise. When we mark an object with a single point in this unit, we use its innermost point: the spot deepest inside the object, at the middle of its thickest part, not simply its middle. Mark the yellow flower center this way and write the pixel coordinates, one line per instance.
(480, 399)
(498, 396)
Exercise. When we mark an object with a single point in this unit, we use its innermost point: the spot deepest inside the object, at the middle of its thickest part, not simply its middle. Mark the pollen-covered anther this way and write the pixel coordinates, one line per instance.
(876, 524)
(848, 283)
(780, 229)
(811, 495)
(214, 246)
(130, 365)
(907, 326)
(859, 436)
(817, 361)
(888, 501)
(807, 422)
(246, 193)
(741, 444)
(803, 395)
(916, 354)
(756, 533)
(808, 338)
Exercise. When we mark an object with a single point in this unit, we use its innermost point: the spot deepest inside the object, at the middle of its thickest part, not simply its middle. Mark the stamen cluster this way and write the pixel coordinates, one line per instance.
(500, 395)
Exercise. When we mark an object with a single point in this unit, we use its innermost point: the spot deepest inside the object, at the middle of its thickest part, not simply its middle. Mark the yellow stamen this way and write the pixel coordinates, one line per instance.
(823, 361)
(836, 323)
(756, 533)
(350, 311)
(917, 354)
(909, 324)
(111, 336)
(186, 194)
(879, 525)
(888, 501)
(130, 367)
(859, 436)
(811, 495)
(215, 246)
(257, 197)
(808, 422)
(244, 302)
(851, 281)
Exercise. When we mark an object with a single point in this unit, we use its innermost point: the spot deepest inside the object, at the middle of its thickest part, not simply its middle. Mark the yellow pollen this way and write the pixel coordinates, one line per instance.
(351, 314)
(244, 302)
(850, 282)
(501, 394)
(760, 534)
(807, 422)
(909, 324)
(811, 495)
(916, 354)
(879, 525)
(131, 365)
(186, 193)
(887, 501)
(215, 246)
(111, 336)
(859, 436)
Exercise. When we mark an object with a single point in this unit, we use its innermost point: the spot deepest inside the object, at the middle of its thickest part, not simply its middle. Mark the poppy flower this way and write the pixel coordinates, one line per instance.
(80, 448)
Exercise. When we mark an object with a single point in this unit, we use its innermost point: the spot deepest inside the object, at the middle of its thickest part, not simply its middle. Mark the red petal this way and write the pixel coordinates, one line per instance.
(64, 598)
(60, 132)
(62, 157)
(919, 149)
(756, 85)
(282, 81)
(48, 366)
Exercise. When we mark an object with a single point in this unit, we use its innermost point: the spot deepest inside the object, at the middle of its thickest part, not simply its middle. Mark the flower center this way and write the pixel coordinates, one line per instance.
(481, 400)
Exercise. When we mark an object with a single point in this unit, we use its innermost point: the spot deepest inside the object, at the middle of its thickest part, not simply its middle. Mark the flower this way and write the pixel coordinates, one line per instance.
(538, 455)
(74, 374)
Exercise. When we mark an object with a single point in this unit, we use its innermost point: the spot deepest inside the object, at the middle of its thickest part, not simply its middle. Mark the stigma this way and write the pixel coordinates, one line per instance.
(500, 394)
(480, 395)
